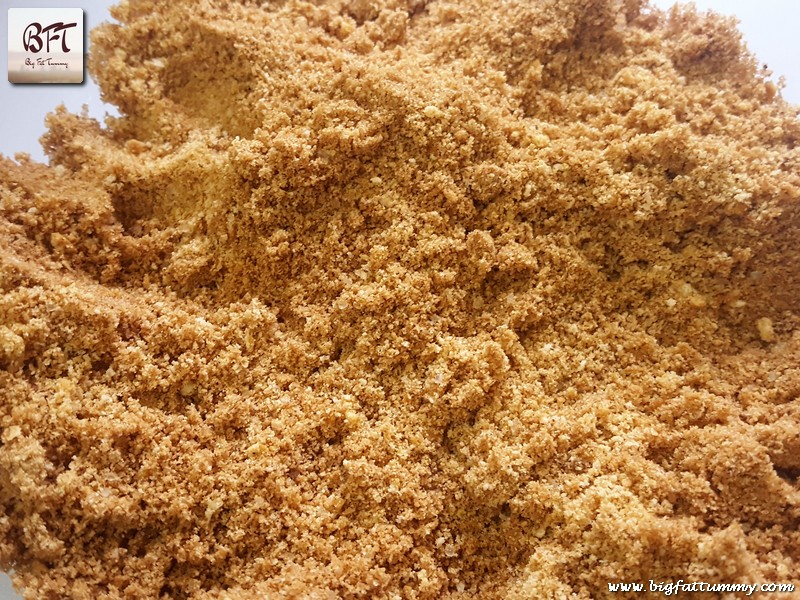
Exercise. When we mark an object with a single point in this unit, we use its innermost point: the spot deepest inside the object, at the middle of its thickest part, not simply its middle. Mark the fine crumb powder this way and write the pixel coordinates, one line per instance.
(404, 299)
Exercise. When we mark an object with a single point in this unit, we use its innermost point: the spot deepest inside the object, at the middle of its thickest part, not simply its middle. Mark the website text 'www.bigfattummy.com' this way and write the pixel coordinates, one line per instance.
(670, 588)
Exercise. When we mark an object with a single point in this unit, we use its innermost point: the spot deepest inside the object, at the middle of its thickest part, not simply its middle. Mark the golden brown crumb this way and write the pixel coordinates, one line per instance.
(765, 329)
(404, 299)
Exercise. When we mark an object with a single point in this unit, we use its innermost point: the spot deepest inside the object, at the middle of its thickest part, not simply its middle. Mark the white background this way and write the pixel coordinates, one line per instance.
(769, 27)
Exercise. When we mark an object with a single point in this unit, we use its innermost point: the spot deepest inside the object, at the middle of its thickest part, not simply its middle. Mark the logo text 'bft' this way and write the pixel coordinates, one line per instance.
(32, 36)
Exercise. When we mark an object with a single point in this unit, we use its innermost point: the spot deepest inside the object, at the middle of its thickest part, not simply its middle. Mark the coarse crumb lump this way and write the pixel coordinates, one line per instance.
(404, 299)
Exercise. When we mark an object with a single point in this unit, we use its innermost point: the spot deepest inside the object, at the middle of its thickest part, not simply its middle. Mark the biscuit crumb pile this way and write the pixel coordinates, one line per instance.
(404, 299)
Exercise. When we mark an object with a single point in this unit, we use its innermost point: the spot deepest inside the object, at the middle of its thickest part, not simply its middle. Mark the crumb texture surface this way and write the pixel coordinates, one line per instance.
(404, 299)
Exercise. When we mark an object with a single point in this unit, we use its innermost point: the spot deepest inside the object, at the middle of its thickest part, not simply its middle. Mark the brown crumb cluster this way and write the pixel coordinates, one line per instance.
(404, 299)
